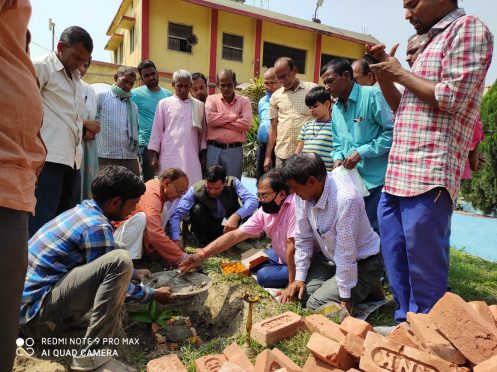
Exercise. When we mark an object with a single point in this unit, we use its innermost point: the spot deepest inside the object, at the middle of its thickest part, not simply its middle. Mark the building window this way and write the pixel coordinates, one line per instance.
(177, 35)
(325, 58)
(132, 40)
(272, 52)
(118, 58)
(232, 47)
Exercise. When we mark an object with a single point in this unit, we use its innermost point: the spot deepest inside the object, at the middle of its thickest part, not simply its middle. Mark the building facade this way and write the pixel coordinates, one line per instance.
(208, 35)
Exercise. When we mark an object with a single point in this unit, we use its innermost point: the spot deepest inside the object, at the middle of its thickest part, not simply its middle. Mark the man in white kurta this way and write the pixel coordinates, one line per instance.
(178, 132)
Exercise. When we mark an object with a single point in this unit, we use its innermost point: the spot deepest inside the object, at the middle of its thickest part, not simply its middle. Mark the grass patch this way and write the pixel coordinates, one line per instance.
(473, 278)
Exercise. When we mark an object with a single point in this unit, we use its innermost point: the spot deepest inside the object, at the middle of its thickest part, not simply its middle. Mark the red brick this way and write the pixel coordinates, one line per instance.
(170, 363)
(353, 345)
(490, 365)
(460, 324)
(404, 335)
(493, 310)
(356, 326)
(272, 360)
(272, 330)
(325, 327)
(329, 351)
(231, 367)
(315, 365)
(426, 331)
(235, 354)
(482, 309)
(381, 354)
(210, 363)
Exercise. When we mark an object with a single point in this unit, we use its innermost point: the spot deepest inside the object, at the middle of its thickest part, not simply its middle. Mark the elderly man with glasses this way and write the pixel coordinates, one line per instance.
(213, 205)
(144, 228)
(276, 218)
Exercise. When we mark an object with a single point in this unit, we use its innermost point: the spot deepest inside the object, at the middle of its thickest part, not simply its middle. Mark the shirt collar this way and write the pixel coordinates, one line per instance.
(353, 96)
(445, 22)
(181, 100)
(300, 86)
(323, 200)
(234, 99)
(56, 61)
(268, 94)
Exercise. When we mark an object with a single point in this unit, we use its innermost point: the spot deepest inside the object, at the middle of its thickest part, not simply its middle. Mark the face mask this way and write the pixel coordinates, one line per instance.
(270, 207)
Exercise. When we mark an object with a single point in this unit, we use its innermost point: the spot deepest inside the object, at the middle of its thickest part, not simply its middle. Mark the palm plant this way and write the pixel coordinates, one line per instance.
(255, 91)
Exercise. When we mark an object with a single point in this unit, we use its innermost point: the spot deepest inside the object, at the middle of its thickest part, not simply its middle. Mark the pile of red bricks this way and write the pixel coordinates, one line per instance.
(455, 336)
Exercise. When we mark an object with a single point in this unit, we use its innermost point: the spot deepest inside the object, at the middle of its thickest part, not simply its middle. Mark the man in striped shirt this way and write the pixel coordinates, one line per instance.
(433, 129)
(330, 214)
(75, 269)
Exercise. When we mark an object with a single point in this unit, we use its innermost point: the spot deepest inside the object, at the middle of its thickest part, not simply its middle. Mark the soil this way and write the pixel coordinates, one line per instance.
(218, 312)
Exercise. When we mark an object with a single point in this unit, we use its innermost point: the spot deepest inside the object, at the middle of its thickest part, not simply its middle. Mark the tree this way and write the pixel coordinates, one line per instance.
(481, 191)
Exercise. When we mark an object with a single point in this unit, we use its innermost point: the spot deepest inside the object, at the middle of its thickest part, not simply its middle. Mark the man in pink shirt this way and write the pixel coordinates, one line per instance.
(275, 217)
(229, 117)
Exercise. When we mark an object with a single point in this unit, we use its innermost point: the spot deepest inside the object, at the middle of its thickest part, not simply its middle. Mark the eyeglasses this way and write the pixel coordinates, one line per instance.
(178, 191)
(262, 196)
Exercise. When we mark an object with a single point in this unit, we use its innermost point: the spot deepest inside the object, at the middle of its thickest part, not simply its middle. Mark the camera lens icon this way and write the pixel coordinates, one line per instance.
(24, 346)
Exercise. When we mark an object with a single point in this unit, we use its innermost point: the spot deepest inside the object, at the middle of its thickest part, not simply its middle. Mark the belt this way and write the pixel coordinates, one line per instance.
(224, 145)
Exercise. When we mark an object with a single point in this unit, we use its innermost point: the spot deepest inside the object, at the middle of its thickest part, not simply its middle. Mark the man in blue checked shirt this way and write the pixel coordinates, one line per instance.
(75, 268)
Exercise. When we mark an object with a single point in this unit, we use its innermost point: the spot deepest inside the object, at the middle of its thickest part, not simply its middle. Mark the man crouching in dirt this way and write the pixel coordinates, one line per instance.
(330, 211)
(75, 268)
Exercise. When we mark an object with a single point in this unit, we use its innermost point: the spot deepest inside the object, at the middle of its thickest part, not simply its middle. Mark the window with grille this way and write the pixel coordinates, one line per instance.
(132, 40)
(177, 35)
(232, 47)
(325, 58)
(272, 52)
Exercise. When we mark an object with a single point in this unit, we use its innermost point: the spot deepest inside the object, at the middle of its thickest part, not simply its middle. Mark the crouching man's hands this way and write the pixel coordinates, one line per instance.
(191, 262)
(297, 287)
(164, 295)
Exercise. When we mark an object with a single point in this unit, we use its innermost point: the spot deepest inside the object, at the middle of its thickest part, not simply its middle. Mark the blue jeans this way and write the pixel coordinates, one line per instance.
(415, 234)
(272, 274)
(371, 202)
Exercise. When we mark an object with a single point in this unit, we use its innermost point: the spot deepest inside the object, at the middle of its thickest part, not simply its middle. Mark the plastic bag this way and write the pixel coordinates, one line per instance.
(355, 178)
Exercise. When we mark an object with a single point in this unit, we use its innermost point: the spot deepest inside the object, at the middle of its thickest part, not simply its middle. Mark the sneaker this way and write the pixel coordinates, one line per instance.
(383, 330)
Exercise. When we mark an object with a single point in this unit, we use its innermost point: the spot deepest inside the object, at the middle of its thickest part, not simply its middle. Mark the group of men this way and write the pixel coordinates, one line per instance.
(325, 223)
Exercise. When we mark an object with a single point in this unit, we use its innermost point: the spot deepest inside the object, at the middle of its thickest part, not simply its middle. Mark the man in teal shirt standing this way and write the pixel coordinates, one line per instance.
(146, 98)
(362, 129)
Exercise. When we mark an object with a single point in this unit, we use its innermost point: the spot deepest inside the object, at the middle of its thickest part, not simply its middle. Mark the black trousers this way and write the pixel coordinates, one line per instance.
(147, 171)
(205, 227)
(59, 189)
(261, 154)
(13, 264)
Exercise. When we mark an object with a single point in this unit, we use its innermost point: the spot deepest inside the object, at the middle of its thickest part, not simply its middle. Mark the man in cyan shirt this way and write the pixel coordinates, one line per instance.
(362, 129)
(276, 218)
(146, 98)
(214, 206)
(76, 268)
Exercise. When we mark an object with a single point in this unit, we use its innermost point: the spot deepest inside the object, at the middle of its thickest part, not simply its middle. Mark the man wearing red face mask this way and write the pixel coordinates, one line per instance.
(275, 217)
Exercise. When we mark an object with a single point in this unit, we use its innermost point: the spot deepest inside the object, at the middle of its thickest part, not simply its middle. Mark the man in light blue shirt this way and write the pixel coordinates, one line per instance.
(146, 98)
(271, 84)
(362, 130)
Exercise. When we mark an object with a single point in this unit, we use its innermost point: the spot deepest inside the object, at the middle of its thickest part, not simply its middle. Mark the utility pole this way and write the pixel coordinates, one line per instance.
(51, 27)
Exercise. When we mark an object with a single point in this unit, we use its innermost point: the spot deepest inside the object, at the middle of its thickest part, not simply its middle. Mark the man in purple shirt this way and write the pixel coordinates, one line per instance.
(275, 217)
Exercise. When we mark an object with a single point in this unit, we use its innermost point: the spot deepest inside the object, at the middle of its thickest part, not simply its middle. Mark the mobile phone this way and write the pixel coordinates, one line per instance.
(370, 59)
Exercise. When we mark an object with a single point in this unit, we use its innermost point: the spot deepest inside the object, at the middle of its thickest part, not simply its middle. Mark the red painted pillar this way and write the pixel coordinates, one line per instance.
(257, 52)
(145, 29)
(213, 49)
(317, 58)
